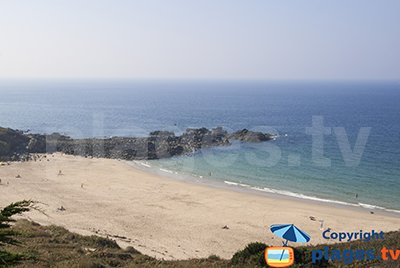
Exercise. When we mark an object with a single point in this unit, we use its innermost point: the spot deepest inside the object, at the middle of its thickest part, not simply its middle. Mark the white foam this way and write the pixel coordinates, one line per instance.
(237, 184)
(166, 170)
(370, 206)
(231, 183)
(144, 164)
(287, 193)
(393, 210)
(313, 198)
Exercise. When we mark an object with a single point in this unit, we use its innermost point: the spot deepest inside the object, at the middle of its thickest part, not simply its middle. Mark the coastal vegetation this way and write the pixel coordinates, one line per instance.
(54, 246)
(8, 234)
(28, 244)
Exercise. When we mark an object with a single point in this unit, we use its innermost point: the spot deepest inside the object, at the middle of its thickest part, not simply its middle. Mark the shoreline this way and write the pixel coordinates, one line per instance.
(249, 189)
(164, 217)
(93, 147)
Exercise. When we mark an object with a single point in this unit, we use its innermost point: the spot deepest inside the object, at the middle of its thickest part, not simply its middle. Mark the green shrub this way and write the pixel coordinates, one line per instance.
(103, 242)
(7, 236)
(302, 256)
(252, 254)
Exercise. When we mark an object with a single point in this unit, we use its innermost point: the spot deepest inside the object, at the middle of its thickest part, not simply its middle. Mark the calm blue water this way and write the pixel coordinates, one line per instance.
(84, 109)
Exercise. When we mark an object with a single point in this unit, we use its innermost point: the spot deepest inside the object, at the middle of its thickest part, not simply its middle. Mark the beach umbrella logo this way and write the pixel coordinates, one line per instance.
(290, 232)
(284, 256)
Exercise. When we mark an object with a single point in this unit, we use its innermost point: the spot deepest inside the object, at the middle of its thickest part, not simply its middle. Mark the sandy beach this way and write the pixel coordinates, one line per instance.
(163, 217)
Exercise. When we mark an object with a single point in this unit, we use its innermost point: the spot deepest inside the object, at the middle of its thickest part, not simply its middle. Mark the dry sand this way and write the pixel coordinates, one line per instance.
(163, 217)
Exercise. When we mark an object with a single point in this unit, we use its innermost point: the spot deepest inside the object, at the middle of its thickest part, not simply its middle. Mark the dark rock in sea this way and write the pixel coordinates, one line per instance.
(251, 136)
(17, 145)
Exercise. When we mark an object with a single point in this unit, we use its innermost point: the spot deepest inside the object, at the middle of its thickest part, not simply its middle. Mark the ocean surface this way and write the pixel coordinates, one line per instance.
(361, 120)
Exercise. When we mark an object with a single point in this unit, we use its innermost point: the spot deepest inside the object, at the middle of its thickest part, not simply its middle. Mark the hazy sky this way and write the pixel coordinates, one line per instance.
(216, 39)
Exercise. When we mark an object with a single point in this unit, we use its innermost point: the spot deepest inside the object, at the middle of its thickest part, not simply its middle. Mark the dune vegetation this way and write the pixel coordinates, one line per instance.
(27, 244)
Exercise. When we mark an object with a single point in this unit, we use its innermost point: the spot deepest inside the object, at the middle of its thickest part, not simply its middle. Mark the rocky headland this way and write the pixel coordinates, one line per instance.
(17, 145)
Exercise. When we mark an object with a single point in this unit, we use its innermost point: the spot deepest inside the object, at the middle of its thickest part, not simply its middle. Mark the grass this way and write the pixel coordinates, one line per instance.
(54, 246)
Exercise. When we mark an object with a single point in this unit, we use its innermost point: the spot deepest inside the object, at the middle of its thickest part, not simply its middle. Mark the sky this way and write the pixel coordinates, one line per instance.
(207, 39)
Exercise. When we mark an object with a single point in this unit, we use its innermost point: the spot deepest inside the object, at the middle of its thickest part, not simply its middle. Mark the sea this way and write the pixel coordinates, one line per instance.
(336, 141)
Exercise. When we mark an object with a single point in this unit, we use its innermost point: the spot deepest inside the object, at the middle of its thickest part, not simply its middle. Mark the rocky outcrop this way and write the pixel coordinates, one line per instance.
(159, 144)
(13, 143)
(16, 145)
(251, 136)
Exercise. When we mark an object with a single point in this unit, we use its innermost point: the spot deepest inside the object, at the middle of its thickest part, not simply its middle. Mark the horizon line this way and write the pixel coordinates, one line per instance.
(131, 79)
